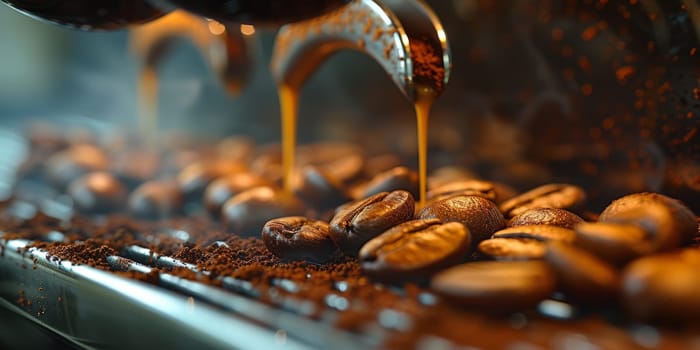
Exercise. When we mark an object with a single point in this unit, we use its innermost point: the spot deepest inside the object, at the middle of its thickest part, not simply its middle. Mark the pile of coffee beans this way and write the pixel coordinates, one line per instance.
(477, 244)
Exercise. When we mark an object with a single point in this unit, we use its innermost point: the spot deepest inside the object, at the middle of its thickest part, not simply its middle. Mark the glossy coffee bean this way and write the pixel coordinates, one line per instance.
(98, 193)
(156, 200)
(194, 178)
(546, 216)
(414, 250)
(225, 187)
(538, 232)
(496, 286)
(681, 224)
(463, 188)
(617, 244)
(319, 189)
(480, 215)
(561, 196)
(358, 222)
(663, 288)
(298, 238)
(247, 212)
(513, 248)
(581, 275)
(399, 178)
(74, 162)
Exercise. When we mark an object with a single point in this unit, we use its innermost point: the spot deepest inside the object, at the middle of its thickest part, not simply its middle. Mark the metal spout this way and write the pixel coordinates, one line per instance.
(223, 48)
(404, 36)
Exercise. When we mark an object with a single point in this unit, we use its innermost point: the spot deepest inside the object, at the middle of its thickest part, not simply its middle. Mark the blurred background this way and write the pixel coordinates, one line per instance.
(599, 93)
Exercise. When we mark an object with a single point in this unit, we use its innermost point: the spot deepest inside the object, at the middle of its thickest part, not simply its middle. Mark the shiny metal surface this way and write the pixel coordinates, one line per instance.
(92, 308)
(389, 31)
(225, 49)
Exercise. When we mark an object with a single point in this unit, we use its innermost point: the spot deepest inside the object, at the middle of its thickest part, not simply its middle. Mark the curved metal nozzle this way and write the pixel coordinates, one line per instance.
(404, 36)
(225, 49)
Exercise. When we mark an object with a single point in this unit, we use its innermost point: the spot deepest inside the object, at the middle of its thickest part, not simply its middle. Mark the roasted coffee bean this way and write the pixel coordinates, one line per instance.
(319, 189)
(617, 244)
(480, 215)
(496, 286)
(74, 162)
(546, 216)
(561, 196)
(414, 250)
(682, 224)
(225, 187)
(298, 238)
(247, 212)
(98, 193)
(399, 178)
(663, 287)
(583, 276)
(362, 220)
(513, 248)
(156, 200)
(538, 232)
(463, 188)
(194, 179)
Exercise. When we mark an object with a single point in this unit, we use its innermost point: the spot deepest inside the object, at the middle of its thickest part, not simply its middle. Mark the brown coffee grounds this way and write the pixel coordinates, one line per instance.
(92, 252)
(426, 62)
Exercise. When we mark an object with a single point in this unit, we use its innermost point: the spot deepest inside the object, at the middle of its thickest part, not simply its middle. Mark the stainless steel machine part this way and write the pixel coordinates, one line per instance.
(390, 31)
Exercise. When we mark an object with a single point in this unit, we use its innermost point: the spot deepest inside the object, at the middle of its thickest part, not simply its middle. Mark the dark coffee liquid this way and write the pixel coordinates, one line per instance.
(89, 14)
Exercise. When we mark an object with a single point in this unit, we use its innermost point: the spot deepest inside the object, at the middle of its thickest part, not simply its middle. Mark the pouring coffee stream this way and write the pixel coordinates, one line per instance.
(404, 37)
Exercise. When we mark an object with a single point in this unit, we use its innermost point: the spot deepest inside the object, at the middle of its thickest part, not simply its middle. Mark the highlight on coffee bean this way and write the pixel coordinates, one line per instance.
(350, 174)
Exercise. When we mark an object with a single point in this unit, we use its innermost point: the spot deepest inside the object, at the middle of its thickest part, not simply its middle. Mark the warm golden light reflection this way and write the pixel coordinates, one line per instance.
(215, 27)
(247, 29)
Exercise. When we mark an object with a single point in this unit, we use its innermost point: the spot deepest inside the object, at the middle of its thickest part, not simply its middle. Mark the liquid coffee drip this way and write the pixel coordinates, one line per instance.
(404, 37)
(224, 48)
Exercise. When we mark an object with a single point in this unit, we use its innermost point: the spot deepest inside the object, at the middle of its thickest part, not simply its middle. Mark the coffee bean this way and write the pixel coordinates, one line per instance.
(663, 288)
(546, 216)
(236, 149)
(513, 248)
(399, 178)
(74, 162)
(617, 244)
(247, 212)
(414, 250)
(583, 276)
(681, 224)
(362, 220)
(496, 286)
(319, 189)
(225, 187)
(480, 215)
(463, 188)
(298, 238)
(561, 196)
(194, 179)
(156, 200)
(538, 232)
(98, 193)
